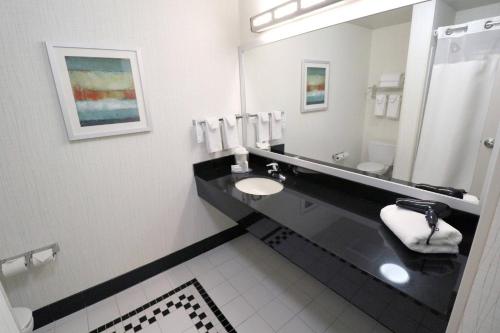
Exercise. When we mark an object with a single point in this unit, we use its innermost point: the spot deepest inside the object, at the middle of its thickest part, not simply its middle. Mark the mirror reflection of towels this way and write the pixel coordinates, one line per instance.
(393, 107)
(262, 127)
(380, 105)
(276, 125)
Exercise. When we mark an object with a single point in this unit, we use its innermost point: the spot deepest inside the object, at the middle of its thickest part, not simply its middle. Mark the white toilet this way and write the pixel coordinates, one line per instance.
(24, 319)
(380, 158)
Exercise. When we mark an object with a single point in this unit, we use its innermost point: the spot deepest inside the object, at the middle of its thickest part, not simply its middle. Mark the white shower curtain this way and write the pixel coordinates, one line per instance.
(463, 75)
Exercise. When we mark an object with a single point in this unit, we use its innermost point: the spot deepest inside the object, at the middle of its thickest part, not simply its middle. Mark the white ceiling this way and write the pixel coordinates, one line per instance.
(468, 4)
(385, 19)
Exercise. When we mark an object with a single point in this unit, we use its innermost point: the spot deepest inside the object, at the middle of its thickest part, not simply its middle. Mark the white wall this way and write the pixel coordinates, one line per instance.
(273, 82)
(388, 54)
(477, 13)
(116, 203)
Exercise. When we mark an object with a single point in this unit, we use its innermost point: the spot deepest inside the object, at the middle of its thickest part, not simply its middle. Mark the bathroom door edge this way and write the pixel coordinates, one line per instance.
(489, 197)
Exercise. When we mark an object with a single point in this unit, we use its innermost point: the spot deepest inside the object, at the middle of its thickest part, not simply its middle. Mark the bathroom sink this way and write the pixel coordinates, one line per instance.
(259, 186)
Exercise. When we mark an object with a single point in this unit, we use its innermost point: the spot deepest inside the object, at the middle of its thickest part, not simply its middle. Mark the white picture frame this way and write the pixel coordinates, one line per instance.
(315, 85)
(100, 90)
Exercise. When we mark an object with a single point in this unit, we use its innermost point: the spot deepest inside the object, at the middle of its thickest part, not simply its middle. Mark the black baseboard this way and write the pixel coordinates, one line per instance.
(76, 302)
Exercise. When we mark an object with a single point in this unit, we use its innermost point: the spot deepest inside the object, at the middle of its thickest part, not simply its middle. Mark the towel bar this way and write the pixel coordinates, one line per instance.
(237, 117)
(375, 89)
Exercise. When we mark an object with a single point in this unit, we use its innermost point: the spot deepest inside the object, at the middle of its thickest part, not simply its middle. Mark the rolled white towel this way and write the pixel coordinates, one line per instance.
(471, 198)
(412, 229)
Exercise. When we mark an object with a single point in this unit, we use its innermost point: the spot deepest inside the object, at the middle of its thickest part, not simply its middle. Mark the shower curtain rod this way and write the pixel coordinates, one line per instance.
(487, 25)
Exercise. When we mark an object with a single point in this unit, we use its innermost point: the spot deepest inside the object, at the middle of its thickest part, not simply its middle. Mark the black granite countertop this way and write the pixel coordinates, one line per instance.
(343, 218)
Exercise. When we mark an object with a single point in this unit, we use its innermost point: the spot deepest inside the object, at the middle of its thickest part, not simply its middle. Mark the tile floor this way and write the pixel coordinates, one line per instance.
(255, 288)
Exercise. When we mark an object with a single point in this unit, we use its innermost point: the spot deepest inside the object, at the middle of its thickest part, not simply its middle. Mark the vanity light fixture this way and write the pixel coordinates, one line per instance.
(309, 3)
(262, 19)
(285, 12)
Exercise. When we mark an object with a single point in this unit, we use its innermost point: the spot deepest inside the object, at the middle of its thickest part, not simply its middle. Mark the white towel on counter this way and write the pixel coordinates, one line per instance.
(380, 105)
(276, 125)
(230, 132)
(471, 198)
(213, 137)
(262, 127)
(393, 106)
(412, 229)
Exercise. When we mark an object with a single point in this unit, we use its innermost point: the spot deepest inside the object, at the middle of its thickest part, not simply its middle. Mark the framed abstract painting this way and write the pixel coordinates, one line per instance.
(315, 85)
(100, 90)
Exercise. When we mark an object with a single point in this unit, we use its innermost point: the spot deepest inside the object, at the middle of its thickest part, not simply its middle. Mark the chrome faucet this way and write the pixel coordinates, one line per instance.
(274, 171)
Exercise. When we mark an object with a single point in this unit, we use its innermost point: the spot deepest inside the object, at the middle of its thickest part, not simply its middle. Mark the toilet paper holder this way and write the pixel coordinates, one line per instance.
(28, 255)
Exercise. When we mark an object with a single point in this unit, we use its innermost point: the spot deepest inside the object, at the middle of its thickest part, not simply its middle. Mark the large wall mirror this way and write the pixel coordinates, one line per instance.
(342, 91)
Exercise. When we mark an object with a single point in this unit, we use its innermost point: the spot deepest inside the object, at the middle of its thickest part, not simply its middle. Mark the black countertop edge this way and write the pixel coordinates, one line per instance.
(465, 222)
(346, 204)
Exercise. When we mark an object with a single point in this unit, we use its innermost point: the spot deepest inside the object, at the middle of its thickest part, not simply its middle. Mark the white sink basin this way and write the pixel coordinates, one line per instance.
(259, 186)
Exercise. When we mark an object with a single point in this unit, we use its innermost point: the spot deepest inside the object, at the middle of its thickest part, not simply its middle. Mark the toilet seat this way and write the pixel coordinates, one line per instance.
(372, 167)
(24, 319)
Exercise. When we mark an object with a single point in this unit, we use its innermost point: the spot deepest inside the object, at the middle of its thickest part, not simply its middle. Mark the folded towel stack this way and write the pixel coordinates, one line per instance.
(413, 230)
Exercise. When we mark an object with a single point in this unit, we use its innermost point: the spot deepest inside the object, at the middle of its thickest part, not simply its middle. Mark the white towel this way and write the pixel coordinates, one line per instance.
(393, 106)
(198, 130)
(471, 198)
(412, 229)
(230, 132)
(212, 134)
(262, 127)
(276, 125)
(380, 105)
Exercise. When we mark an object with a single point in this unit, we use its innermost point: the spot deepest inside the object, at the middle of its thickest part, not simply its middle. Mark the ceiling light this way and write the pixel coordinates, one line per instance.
(262, 19)
(286, 9)
(286, 12)
(309, 3)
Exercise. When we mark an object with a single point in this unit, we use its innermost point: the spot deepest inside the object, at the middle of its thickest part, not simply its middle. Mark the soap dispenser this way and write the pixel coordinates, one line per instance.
(241, 157)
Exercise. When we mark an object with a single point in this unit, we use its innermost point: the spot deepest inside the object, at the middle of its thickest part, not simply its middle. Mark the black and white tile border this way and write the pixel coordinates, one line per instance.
(183, 297)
